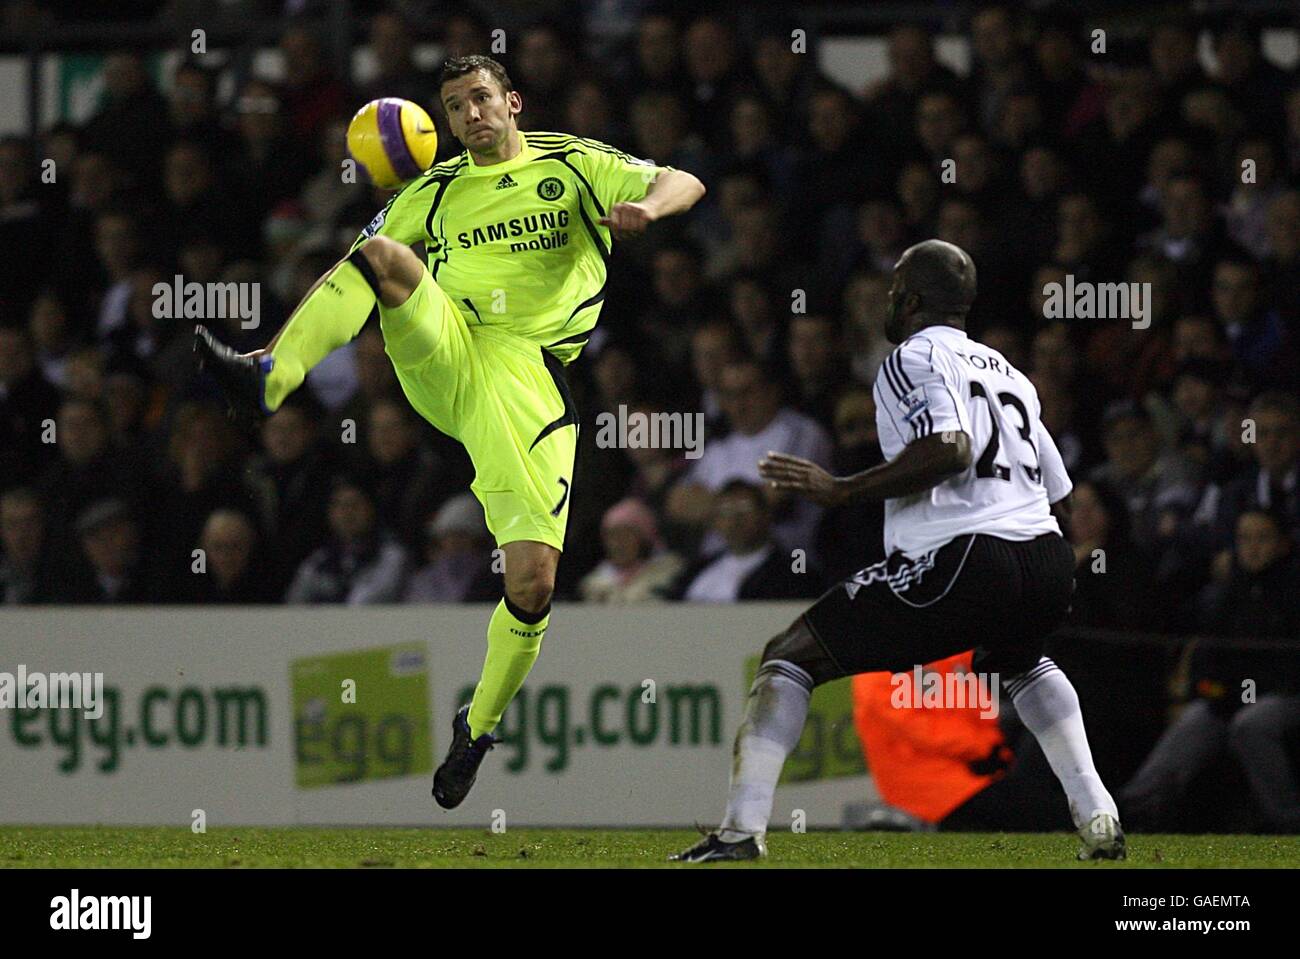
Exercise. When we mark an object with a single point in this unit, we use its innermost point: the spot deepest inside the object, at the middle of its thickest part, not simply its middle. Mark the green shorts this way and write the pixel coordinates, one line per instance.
(503, 397)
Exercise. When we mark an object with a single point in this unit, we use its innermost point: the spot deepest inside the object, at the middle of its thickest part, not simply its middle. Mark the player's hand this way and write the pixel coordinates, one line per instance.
(786, 472)
(627, 219)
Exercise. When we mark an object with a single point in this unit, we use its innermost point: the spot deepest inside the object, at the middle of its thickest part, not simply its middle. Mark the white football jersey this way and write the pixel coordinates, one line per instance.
(940, 380)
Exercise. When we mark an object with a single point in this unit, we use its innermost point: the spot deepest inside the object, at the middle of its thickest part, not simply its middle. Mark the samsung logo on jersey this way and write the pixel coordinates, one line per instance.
(516, 226)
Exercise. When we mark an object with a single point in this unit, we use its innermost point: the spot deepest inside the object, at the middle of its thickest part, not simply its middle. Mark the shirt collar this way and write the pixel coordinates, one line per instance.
(525, 154)
(941, 328)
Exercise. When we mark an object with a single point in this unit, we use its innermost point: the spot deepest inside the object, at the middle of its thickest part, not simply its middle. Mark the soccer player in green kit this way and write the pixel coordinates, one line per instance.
(517, 234)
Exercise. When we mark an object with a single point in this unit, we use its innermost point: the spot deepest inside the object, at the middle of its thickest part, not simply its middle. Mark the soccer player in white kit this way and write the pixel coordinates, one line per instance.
(973, 488)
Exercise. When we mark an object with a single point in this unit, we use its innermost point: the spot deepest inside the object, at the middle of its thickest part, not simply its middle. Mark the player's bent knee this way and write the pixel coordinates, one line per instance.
(532, 600)
(1006, 663)
(797, 645)
(530, 574)
(396, 269)
(531, 591)
(380, 252)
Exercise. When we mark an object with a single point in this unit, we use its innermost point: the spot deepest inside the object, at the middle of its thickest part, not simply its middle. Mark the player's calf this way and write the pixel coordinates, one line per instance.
(793, 663)
(1048, 705)
(515, 635)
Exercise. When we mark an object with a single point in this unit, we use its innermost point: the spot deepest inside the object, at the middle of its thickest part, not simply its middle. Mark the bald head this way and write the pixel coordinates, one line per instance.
(934, 283)
(228, 539)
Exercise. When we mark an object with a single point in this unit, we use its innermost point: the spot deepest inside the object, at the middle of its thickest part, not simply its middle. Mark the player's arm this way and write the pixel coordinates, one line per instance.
(671, 192)
(634, 192)
(917, 399)
(1062, 510)
(922, 465)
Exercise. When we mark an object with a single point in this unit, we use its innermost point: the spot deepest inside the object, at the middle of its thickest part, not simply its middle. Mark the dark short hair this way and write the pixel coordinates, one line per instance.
(197, 69)
(96, 406)
(458, 67)
(821, 316)
(1277, 401)
(740, 487)
(1116, 509)
(1275, 516)
(1214, 372)
(1125, 410)
(22, 494)
(353, 479)
(103, 513)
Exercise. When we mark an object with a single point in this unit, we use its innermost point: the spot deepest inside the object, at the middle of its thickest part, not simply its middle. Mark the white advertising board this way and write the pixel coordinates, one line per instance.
(626, 720)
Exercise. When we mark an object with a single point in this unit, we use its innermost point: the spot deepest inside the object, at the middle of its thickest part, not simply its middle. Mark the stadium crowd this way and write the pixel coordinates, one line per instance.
(761, 312)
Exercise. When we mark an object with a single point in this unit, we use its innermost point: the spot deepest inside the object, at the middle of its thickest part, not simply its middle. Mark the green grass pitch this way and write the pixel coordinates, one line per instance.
(362, 847)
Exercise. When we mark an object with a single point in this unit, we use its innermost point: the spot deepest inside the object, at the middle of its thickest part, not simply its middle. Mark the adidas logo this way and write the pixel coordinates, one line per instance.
(506, 181)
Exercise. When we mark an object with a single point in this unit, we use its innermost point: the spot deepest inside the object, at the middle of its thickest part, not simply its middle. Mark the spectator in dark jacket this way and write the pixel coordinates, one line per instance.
(852, 536)
(752, 565)
(1112, 578)
(360, 564)
(201, 472)
(1273, 483)
(232, 570)
(132, 126)
(1246, 699)
(1160, 486)
(290, 484)
(88, 469)
(25, 567)
(407, 477)
(818, 362)
(1261, 597)
(460, 561)
(26, 400)
(110, 543)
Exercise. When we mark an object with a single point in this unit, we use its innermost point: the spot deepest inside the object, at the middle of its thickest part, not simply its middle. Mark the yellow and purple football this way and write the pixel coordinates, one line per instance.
(394, 140)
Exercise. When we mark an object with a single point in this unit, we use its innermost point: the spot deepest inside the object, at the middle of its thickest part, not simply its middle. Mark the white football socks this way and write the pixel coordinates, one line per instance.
(1047, 704)
(773, 723)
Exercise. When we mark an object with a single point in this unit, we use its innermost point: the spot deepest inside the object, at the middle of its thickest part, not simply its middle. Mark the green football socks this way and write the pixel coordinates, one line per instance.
(514, 639)
(330, 317)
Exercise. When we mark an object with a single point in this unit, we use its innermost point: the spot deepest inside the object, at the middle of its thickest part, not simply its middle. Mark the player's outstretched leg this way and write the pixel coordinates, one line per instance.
(380, 270)
(1047, 704)
(515, 635)
(793, 663)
